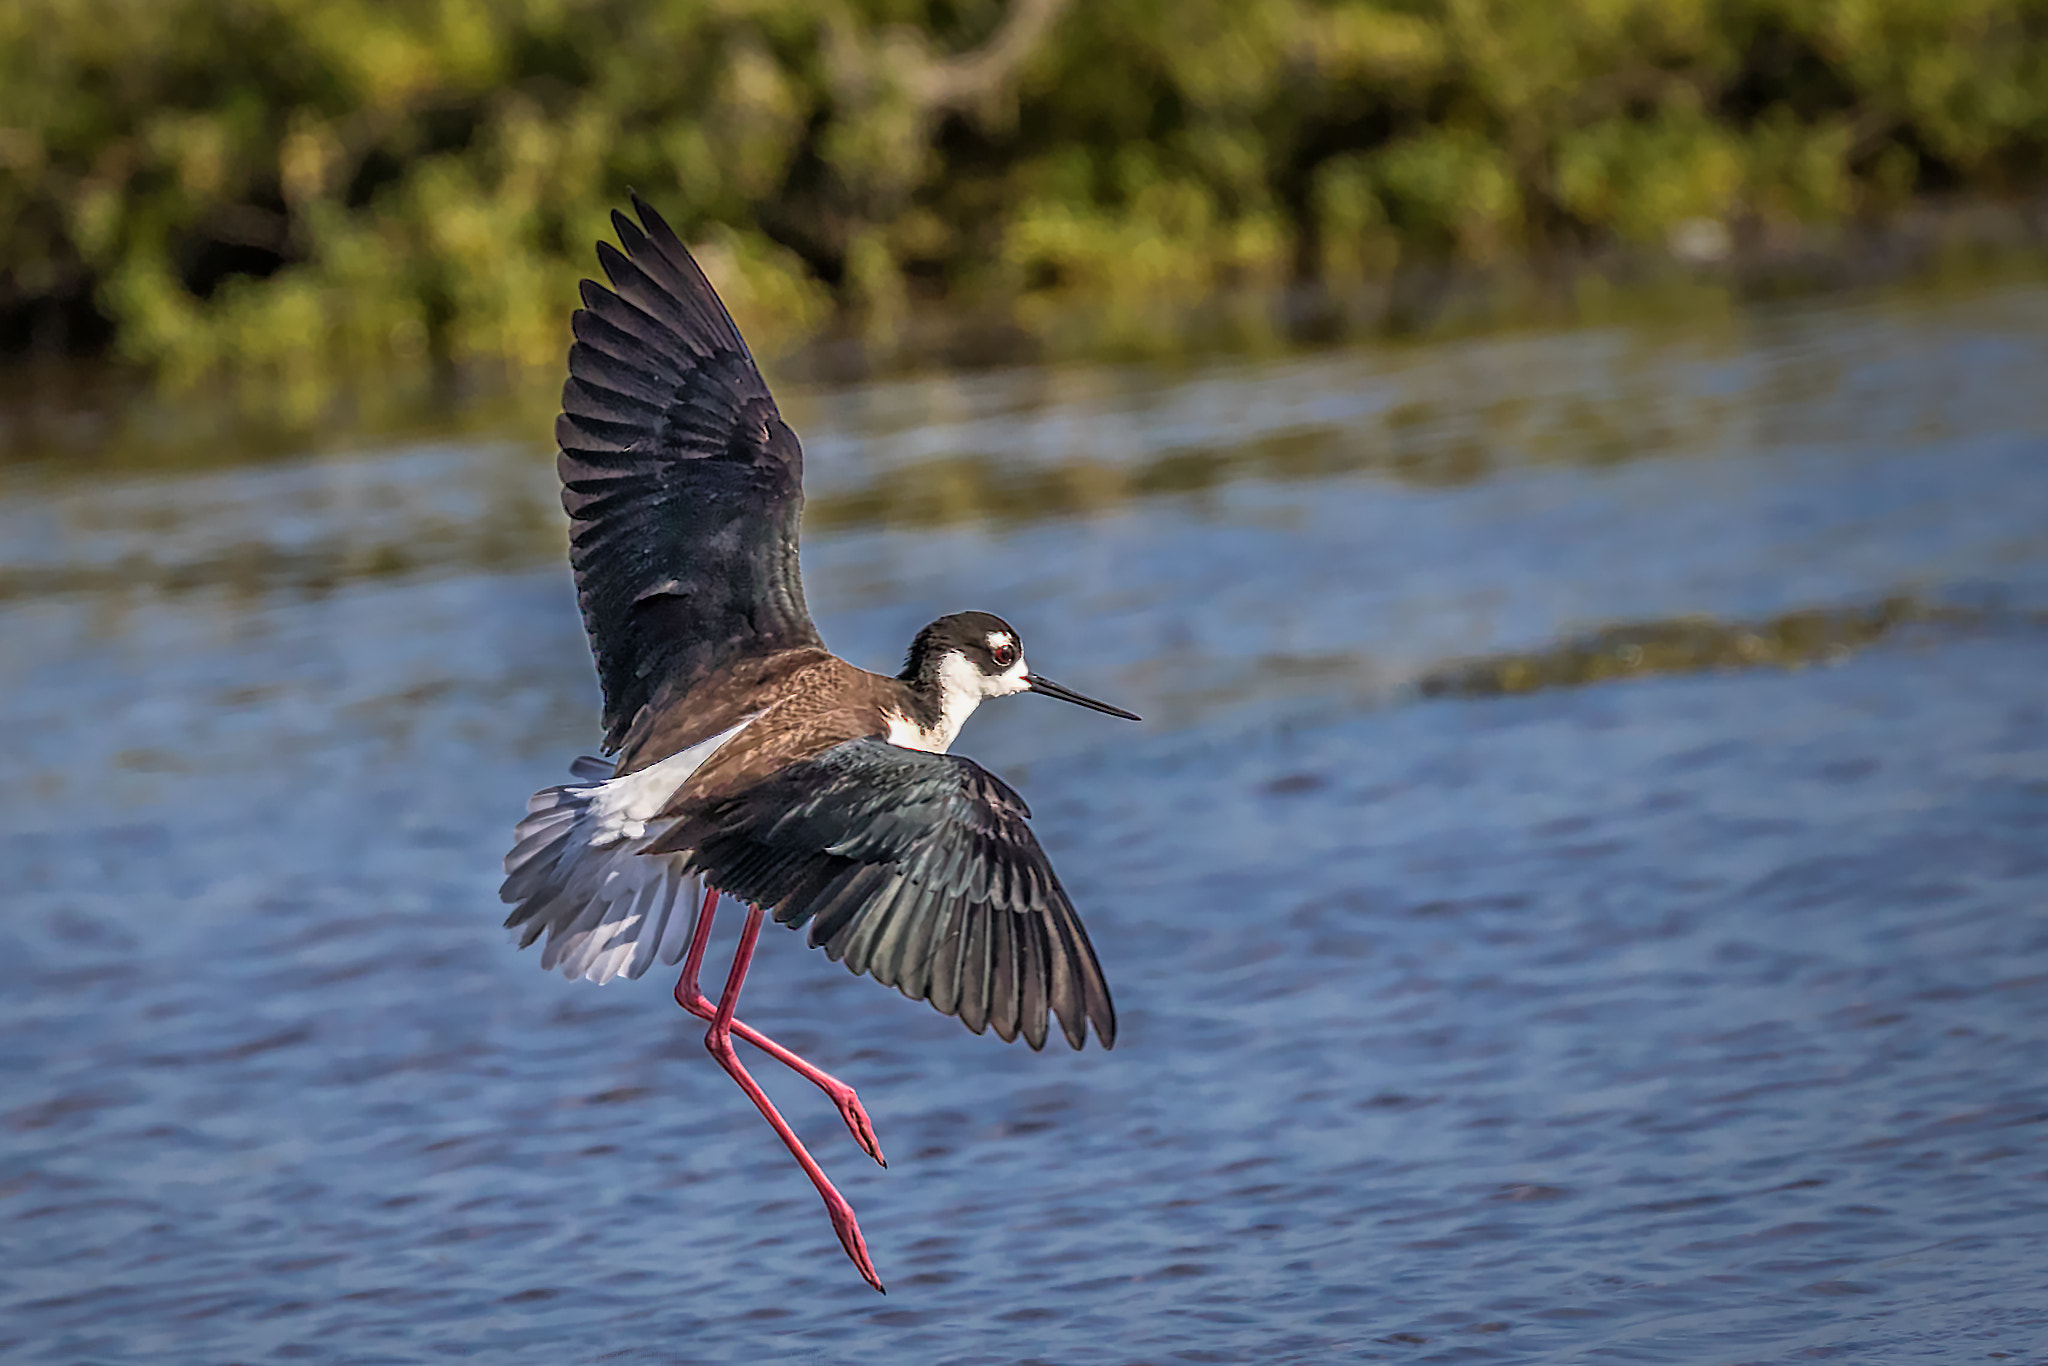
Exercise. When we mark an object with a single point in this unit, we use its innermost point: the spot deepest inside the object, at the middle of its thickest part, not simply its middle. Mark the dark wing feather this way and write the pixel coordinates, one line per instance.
(682, 483)
(918, 869)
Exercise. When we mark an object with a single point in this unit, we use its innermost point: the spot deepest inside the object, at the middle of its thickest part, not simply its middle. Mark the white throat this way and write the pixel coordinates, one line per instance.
(962, 687)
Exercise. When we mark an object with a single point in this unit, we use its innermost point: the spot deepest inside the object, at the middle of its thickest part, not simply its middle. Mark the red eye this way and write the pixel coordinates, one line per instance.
(1005, 654)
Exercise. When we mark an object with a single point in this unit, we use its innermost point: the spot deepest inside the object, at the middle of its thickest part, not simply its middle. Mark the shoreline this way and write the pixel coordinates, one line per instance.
(52, 409)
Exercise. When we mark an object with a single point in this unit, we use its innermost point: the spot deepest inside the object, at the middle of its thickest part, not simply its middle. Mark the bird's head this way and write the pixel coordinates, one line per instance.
(968, 656)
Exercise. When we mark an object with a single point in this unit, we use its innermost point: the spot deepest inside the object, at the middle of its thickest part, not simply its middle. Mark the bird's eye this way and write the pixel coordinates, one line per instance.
(1005, 654)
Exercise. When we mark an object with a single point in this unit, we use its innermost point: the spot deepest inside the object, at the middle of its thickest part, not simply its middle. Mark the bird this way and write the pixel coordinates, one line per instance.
(746, 760)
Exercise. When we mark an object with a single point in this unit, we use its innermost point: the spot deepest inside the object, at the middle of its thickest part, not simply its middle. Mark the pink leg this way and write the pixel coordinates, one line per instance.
(693, 1000)
(718, 1039)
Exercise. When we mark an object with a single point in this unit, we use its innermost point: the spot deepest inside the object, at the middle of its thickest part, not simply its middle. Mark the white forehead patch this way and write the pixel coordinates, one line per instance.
(998, 639)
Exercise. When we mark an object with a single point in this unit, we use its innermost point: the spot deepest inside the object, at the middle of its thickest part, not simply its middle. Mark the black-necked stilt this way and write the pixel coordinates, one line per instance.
(750, 760)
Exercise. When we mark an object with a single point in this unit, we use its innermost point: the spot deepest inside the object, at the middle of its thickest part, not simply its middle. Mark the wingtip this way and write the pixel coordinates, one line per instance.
(651, 235)
(1104, 1041)
(617, 268)
(1105, 1026)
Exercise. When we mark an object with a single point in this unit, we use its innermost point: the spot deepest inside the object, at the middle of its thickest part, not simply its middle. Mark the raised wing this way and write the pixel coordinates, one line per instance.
(682, 483)
(917, 869)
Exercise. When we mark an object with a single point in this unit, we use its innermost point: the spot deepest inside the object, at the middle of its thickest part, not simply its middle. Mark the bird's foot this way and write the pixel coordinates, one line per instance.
(848, 1229)
(856, 1117)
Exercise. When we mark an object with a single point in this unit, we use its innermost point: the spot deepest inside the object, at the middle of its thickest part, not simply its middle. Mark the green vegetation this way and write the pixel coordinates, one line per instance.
(1686, 645)
(294, 187)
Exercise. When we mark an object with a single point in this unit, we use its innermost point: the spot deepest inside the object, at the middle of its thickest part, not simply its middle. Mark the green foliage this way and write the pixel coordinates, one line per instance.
(293, 187)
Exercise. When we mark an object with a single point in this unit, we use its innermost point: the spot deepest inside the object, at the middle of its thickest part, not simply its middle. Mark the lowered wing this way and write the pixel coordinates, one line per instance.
(916, 868)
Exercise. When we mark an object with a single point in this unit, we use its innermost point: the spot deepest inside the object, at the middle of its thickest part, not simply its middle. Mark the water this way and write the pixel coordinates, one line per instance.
(1578, 894)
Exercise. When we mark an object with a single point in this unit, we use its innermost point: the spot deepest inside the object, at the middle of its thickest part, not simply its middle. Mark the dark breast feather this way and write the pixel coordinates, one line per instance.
(683, 485)
(918, 869)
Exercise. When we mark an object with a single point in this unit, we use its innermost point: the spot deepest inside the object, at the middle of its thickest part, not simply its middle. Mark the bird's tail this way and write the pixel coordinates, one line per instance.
(578, 875)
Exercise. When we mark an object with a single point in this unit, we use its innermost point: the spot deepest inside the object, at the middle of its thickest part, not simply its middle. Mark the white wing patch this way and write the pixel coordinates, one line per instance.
(576, 873)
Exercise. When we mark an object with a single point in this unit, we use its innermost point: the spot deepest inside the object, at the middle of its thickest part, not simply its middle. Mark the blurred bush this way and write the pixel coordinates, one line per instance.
(296, 186)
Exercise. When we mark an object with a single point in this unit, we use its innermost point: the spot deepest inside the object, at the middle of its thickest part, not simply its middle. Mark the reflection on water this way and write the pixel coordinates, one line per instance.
(1472, 1011)
(1036, 445)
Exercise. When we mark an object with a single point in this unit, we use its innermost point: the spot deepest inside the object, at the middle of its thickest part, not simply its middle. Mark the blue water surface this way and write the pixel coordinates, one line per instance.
(1695, 1015)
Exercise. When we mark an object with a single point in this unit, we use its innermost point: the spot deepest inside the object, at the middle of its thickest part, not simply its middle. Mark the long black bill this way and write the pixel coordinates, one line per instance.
(1052, 689)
